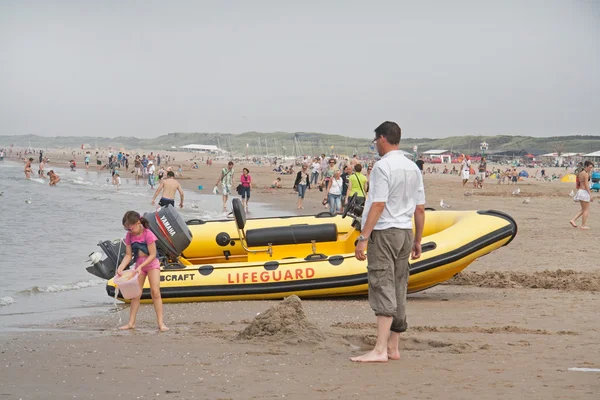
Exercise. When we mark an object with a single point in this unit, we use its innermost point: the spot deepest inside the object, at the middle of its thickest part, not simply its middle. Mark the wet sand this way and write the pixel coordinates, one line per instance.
(510, 326)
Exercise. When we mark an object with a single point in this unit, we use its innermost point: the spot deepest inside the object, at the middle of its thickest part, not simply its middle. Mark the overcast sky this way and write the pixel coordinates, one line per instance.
(438, 68)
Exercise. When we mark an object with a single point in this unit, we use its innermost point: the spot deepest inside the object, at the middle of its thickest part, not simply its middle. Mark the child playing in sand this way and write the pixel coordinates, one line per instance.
(141, 245)
(276, 184)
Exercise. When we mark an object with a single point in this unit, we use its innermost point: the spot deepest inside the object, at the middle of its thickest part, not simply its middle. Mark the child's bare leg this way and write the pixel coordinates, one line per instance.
(135, 306)
(154, 278)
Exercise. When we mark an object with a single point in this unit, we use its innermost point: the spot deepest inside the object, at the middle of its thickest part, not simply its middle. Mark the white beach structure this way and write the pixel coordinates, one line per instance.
(555, 158)
(595, 156)
(443, 155)
(203, 148)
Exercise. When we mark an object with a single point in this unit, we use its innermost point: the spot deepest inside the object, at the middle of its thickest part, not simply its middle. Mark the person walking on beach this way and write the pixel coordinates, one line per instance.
(396, 194)
(168, 187)
(226, 180)
(356, 184)
(328, 174)
(86, 161)
(301, 183)
(246, 182)
(140, 245)
(482, 171)
(514, 176)
(465, 169)
(151, 174)
(334, 192)
(583, 195)
(315, 169)
(420, 163)
(137, 165)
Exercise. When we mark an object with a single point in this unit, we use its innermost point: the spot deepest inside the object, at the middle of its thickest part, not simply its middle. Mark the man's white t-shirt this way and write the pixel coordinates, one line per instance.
(315, 167)
(151, 169)
(396, 181)
(466, 165)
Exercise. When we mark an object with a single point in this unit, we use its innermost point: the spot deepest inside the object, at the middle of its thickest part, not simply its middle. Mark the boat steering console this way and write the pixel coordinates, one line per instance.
(354, 210)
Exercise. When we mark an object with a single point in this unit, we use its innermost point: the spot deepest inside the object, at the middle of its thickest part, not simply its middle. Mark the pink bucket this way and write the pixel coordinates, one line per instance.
(128, 284)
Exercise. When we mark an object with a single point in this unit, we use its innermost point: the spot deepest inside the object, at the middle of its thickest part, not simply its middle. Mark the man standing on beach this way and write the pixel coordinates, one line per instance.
(482, 171)
(420, 163)
(465, 169)
(151, 174)
(396, 194)
(168, 187)
(226, 180)
(137, 165)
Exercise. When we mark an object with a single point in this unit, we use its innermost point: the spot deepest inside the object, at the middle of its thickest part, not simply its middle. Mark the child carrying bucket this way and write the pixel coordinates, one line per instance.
(141, 245)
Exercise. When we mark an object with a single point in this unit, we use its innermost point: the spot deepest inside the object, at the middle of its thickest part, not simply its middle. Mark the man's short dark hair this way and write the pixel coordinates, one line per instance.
(171, 174)
(230, 163)
(358, 167)
(390, 130)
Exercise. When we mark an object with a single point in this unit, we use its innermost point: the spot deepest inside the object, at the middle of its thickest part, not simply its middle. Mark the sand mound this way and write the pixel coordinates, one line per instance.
(284, 322)
(559, 279)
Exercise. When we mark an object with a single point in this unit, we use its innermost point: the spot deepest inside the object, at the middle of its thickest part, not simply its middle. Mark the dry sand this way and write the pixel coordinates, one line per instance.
(510, 326)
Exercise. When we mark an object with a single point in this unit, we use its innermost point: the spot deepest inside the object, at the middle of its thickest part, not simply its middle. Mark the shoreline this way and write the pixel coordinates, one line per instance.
(510, 326)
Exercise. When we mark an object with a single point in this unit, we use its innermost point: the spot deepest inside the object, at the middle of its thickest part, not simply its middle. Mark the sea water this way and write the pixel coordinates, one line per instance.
(47, 233)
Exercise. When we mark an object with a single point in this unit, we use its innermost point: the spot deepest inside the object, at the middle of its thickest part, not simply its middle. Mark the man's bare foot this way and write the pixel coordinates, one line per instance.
(163, 328)
(573, 224)
(371, 356)
(126, 327)
(393, 354)
(585, 227)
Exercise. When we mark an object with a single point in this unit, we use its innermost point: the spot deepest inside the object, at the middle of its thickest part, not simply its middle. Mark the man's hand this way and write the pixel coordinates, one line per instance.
(153, 201)
(416, 251)
(180, 205)
(359, 252)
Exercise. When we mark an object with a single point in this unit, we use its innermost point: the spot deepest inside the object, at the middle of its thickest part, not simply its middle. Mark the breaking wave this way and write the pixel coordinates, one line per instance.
(6, 301)
(64, 288)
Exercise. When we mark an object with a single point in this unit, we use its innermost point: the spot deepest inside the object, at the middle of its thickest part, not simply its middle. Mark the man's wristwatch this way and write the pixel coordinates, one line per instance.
(361, 238)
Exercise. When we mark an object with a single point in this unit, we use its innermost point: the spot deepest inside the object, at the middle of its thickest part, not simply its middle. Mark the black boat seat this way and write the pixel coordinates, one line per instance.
(293, 234)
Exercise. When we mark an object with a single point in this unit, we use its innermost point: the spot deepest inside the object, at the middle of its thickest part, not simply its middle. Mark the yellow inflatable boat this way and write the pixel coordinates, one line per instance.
(310, 256)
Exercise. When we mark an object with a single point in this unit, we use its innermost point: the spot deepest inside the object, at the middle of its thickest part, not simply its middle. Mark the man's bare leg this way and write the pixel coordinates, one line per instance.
(379, 353)
(392, 346)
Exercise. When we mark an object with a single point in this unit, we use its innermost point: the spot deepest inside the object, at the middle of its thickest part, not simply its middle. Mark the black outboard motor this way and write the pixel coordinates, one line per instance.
(115, 252)
(171, 230)
(173, 237)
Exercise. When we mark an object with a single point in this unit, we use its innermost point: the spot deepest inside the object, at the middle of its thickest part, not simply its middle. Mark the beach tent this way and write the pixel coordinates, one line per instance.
(569, 178)
(595, 156)
(524, 174)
